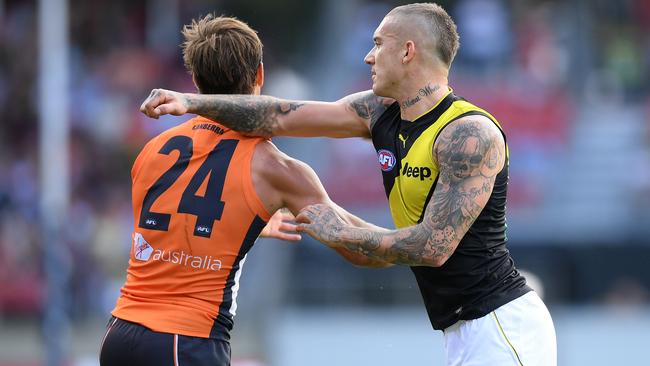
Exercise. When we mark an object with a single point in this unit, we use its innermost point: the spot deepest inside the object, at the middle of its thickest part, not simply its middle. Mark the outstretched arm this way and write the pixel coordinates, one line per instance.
(470, 153)
(267, 116)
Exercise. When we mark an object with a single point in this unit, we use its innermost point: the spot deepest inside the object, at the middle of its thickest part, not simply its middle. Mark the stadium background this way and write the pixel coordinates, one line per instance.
(567, 79)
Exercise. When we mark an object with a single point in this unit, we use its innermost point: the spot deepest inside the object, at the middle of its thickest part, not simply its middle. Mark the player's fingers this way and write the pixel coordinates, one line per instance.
(149, 105)
(285, 226)
(290, 237)
(302, 228)
(303, 217)
(164, 109)
(143, 106)
(307, 228)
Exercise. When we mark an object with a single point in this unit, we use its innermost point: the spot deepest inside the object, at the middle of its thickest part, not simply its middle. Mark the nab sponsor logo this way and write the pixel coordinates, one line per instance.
(141, 249)
(421, 172)
(386, 160)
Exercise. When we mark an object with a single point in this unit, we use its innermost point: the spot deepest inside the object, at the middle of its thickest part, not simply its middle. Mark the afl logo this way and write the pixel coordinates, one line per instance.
(386, 160)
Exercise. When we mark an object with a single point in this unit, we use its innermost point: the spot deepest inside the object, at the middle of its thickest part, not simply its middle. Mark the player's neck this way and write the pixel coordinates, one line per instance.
(420, 98)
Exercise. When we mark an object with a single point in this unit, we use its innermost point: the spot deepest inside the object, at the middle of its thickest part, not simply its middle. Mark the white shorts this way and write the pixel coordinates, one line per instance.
(518, 333)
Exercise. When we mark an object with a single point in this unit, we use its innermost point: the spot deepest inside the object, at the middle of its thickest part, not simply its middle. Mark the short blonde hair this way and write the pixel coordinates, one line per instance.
(443, 27)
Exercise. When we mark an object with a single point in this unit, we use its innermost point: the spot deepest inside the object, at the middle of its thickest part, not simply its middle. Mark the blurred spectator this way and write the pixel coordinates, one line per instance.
(627, 292)
(485, 35)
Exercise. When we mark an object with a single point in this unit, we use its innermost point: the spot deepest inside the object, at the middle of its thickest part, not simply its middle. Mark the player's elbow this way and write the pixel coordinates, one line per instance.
(436, 260)
(365, 262)
(439, 251)
(282, 128)
(361, 260)
(440, 261)
(374, 264)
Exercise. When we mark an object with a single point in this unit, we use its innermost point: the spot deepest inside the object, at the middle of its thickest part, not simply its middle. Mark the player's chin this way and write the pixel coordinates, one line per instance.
(375, 88)
(378, 90)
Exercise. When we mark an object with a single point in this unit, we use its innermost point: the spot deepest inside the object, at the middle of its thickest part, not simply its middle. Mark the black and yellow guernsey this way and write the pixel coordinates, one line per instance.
(480, 275)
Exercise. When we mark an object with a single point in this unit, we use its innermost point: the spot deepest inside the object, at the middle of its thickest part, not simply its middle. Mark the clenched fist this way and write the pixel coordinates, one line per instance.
(162, 101)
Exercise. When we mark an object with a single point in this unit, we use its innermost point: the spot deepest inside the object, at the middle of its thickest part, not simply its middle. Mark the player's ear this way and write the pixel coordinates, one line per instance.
(259, 76)
(408, 52)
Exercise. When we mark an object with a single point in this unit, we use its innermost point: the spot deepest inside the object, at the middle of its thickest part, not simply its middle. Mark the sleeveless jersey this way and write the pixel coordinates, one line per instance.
(480, 275)
(196, 216)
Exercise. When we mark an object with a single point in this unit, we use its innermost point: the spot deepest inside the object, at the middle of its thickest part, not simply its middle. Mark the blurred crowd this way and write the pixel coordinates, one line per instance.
(537, 66)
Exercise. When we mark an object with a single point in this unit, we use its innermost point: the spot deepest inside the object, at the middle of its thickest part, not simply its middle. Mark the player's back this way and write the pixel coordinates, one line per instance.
(196, 216)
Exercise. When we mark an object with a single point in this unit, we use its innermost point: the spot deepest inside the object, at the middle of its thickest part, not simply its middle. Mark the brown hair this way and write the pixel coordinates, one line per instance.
(442, 26)
(222, 54)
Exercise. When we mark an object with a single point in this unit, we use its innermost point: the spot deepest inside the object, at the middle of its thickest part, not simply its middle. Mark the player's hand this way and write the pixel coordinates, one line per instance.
(280, 227)
(322, 223)
(161, 102)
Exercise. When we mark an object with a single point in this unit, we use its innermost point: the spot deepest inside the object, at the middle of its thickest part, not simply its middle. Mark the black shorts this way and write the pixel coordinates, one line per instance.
(127, 343)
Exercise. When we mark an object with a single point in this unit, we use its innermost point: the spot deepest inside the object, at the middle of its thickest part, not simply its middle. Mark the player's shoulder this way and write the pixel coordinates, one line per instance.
(473, 137)
(389, 113)
(367, 105)
(391, 108)
(478, 125)
(277, 167)
(272, 159)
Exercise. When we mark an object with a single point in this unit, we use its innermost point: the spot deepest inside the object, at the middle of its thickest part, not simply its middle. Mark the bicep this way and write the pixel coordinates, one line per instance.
(299, 186)
(281, 181)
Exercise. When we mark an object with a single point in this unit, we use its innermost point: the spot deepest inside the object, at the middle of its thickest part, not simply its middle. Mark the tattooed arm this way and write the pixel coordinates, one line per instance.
(470, 153)
(259, 115)
(354, 256)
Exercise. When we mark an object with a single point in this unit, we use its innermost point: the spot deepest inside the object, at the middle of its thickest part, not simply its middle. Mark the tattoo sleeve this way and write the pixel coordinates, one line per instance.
(368, 106)
(252, 115)
(470, 154)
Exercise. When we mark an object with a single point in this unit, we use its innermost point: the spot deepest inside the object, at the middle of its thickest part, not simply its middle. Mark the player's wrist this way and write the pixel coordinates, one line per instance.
(191, 102)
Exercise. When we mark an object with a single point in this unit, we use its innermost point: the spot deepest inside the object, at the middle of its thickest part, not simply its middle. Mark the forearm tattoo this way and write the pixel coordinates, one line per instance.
(252, 115)
(470, 155)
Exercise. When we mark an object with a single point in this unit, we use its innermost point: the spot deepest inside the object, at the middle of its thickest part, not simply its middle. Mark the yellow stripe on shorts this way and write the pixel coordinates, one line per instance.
(494, 314)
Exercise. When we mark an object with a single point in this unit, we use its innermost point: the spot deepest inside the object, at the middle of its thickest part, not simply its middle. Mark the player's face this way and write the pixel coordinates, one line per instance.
(384, 59)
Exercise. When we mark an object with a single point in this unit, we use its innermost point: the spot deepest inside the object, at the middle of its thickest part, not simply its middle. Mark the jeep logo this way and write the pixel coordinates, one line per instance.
(421, 172)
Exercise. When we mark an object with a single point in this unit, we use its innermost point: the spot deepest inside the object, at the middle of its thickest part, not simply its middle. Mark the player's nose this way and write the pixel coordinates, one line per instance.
(370, 58)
